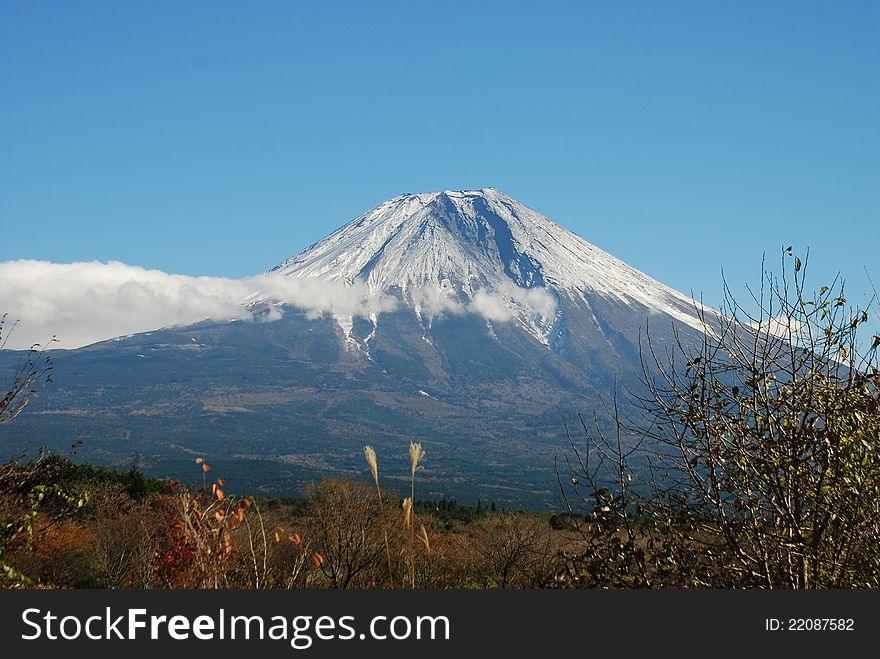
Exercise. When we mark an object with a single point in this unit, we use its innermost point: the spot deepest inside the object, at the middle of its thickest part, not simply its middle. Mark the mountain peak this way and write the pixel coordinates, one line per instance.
(482, 192)
(463, 236)
(455, 245)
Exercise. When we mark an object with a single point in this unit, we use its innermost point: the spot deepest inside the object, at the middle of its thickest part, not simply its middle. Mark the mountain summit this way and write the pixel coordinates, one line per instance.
(481, 251)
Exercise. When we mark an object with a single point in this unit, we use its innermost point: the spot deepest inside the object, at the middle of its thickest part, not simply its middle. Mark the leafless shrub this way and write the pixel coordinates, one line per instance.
(516, 551)
(762, 450)
(32, 372)
(347, 529)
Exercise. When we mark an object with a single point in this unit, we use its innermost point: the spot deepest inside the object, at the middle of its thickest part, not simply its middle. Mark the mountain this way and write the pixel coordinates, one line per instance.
(464, 320)
(443, 251)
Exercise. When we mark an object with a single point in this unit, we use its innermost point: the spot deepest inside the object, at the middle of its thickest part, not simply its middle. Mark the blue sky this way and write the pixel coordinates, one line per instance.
(221, 137)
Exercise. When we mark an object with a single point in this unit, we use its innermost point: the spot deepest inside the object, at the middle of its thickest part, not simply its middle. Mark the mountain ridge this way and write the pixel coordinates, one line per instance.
(483, 325)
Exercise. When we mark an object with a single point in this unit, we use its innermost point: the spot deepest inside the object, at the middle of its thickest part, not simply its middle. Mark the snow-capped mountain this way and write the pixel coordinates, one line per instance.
(478, 251)
(462, 319)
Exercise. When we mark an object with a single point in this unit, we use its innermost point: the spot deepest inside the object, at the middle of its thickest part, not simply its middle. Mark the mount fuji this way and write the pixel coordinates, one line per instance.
(461, 319)
(480, 251)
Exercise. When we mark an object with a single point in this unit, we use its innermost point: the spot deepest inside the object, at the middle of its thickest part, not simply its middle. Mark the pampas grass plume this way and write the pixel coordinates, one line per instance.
(370, 455)
(415, 455)
(407, 512)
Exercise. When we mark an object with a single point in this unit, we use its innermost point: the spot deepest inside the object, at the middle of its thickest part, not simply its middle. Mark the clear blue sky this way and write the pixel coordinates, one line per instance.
(221, 137)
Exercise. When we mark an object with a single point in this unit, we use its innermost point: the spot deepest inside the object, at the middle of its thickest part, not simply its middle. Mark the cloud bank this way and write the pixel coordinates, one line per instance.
(85, 302)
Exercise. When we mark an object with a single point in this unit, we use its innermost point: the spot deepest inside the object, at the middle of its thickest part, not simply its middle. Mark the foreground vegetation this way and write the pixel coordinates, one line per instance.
(761, 448)
(137, 532)
(758, 452)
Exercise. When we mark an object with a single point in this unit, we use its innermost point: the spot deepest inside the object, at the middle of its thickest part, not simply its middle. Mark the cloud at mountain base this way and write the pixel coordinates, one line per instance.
(81, 303)
(85, 302)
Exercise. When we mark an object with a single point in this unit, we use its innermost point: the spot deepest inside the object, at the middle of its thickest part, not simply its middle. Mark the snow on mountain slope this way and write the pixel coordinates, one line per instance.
(476, 251)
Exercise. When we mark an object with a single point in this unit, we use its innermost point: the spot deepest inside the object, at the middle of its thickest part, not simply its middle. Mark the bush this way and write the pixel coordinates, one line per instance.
(764, 460)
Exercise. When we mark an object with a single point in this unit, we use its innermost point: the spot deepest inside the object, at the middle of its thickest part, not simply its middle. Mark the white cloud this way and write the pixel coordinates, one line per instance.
(85, 302)
(316, 297)
(491, 306)
(503, 305)
(82, 303)
(91, 301)
(434, 301)
(537, 300)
